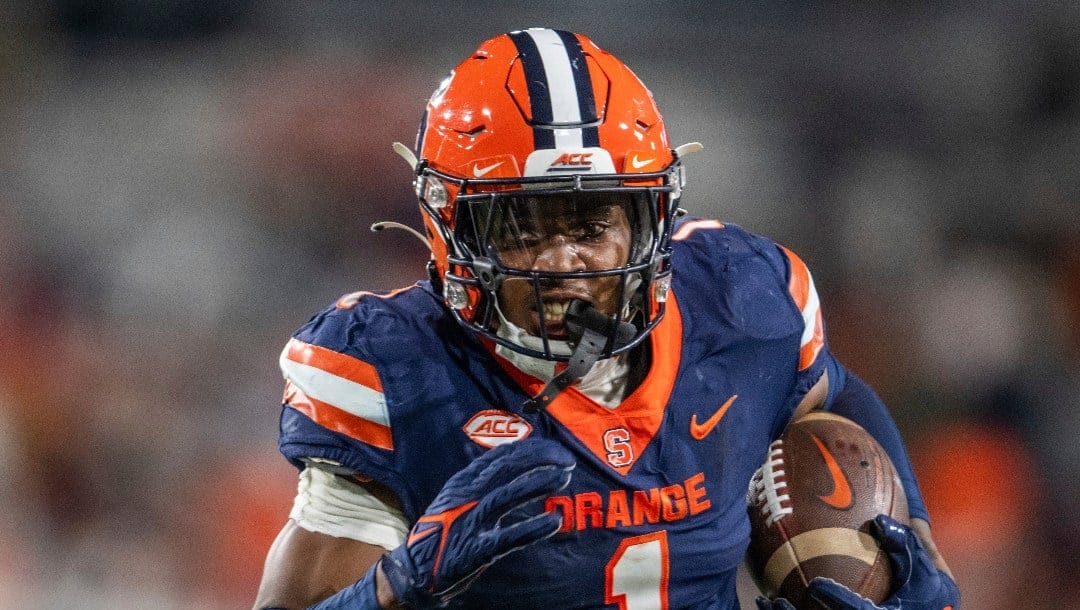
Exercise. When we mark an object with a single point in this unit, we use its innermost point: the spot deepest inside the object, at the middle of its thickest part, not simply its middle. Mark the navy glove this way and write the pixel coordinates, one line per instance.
(764, 603)
(921, 585)
(464, 530)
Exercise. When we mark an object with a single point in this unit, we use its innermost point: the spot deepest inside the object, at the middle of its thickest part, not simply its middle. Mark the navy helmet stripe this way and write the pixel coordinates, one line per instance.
(561, 98)
(536, 79)
(583, 83)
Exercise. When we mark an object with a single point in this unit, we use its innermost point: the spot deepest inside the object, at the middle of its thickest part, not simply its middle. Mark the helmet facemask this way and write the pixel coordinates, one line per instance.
(520, 250)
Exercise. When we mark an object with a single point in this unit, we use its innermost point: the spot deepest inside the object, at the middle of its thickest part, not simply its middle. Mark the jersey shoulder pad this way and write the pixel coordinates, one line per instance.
(724, 246)
(363, 322)
(796, 276)
(709, 251)
(334, 366)
(763, 285)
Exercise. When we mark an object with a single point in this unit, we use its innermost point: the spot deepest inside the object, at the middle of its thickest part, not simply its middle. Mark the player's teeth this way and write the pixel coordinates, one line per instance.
(553, 312)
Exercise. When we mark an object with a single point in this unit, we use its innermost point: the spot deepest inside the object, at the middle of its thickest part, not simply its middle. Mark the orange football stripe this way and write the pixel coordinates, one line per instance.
(346, 367)
(333, 418)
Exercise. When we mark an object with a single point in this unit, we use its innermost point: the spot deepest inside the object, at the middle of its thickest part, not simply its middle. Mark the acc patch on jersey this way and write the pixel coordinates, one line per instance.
(492, 427)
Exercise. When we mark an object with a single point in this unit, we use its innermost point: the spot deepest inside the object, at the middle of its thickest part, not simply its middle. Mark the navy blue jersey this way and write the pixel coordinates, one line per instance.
(392, 388)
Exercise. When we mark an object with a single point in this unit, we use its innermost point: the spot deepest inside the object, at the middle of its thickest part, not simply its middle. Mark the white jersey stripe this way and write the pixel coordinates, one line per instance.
(810, 311)
(346, 395)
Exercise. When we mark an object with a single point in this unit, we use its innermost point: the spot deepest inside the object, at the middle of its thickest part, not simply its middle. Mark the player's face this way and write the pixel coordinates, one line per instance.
(583, 232)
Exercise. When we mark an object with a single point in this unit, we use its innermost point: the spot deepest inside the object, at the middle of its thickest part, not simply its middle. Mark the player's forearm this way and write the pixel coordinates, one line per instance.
(922, 530)
(304, 567)
(857, 401)
(383, 592)
(361, 595)
(371, 592)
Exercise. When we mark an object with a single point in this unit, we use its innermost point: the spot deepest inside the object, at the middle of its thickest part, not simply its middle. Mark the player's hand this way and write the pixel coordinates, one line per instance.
(464, 530)
(918, 584)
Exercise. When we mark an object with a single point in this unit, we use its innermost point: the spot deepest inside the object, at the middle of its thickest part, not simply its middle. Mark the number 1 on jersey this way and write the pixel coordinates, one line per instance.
(637, 575)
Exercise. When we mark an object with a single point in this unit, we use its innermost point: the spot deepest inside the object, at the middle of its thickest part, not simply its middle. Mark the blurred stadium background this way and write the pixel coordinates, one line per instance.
(184, 183)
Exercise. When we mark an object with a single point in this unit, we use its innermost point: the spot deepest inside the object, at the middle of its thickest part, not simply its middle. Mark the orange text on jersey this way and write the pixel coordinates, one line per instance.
(624, 508)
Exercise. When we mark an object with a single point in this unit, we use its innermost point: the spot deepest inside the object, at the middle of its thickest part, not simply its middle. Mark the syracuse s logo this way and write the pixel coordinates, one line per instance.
(841, 493)
(492, 427)
(619, 450)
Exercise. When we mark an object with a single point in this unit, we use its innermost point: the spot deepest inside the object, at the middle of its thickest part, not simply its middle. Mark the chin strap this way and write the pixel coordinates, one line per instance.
(592, 331)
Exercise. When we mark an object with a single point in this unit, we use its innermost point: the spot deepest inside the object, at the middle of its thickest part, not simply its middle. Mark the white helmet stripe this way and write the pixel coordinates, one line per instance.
(557, 107)
(565, 109)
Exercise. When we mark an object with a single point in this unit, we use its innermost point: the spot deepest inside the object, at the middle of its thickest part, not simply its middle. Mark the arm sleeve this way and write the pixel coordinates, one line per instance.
(852, 398)
(331, 504)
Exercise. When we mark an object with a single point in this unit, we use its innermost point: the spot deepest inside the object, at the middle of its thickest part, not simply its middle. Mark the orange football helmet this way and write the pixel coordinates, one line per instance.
(532, 123)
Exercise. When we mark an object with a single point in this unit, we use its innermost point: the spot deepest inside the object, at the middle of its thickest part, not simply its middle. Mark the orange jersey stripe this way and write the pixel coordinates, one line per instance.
(687, 228)
(799, 284)
(346, 367)
(350, 300)
(333, 418)
(801, 287)
(810, 350)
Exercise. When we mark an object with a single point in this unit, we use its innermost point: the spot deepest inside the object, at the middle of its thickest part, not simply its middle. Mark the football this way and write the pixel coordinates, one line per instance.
(810, 506)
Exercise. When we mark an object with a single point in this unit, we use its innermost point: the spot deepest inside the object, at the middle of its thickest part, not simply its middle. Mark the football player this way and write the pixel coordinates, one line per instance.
(567, 412)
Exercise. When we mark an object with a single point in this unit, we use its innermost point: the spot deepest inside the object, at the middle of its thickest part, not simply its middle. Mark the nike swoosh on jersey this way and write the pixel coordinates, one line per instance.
(638, 163)
(700, 431)
(479, 172)
(841, 494)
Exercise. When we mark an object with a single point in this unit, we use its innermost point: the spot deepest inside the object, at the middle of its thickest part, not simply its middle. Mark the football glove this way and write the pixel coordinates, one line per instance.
(467, 528)
(764, 603)
(921, 585)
